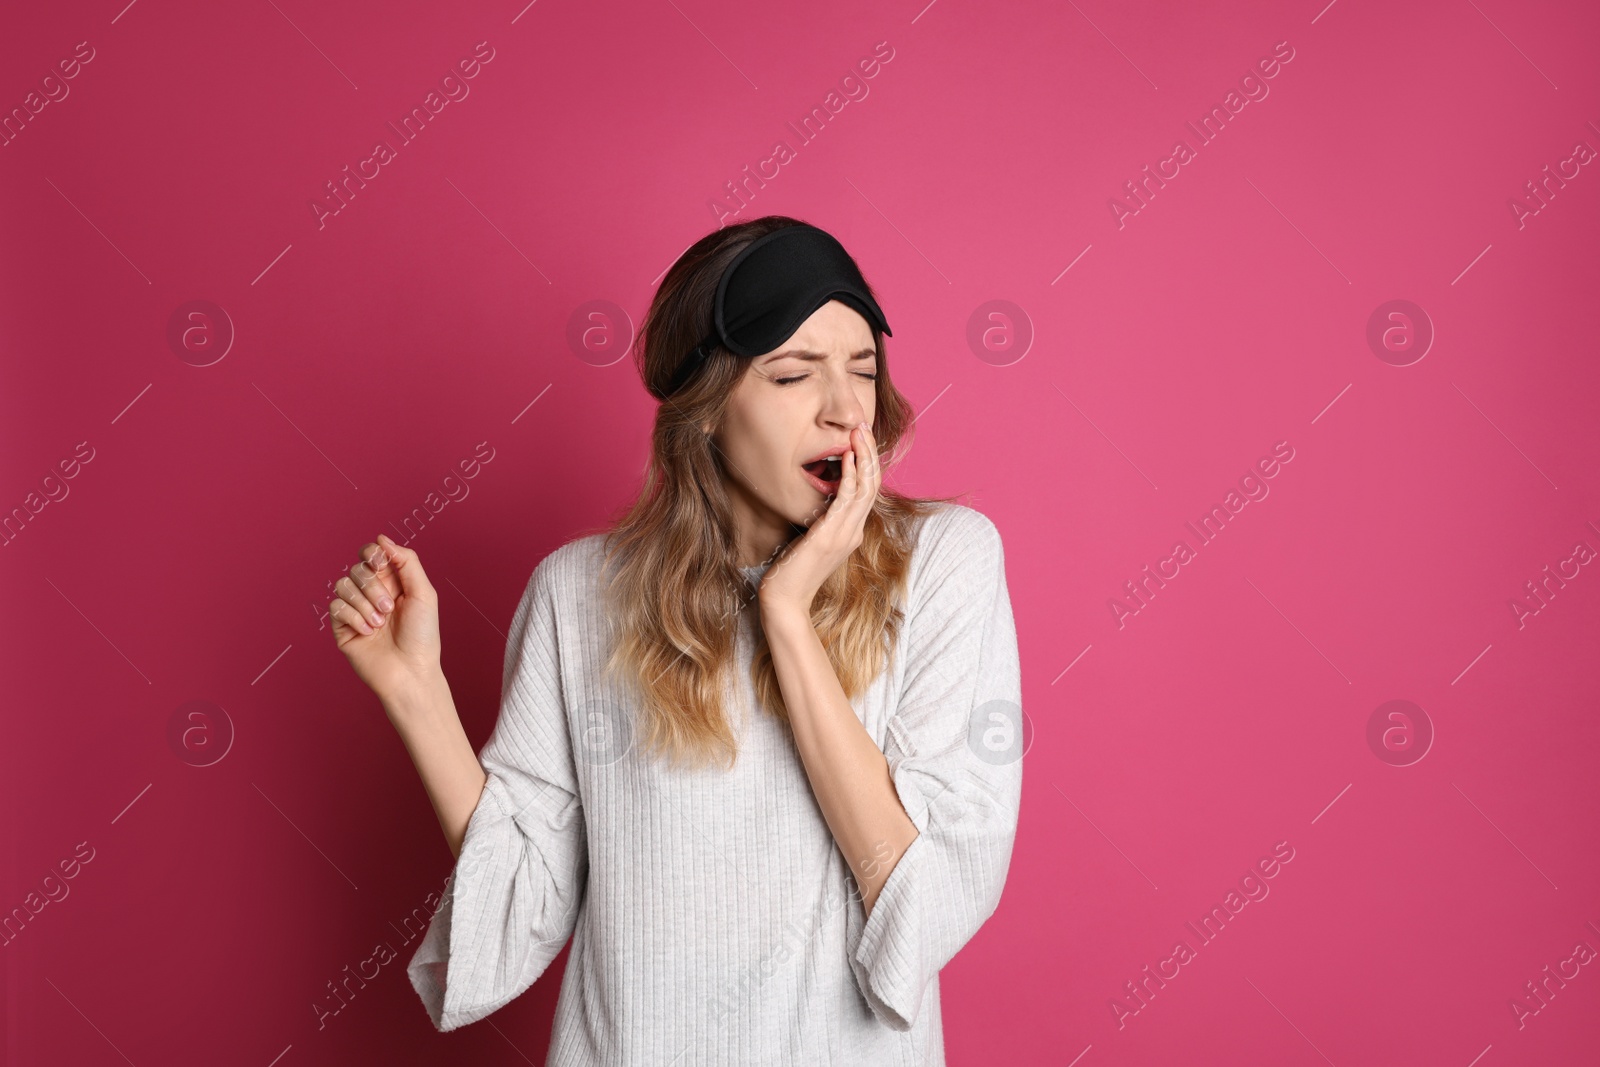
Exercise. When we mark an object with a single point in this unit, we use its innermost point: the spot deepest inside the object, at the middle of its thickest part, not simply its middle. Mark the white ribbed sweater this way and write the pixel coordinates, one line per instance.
(714, 919)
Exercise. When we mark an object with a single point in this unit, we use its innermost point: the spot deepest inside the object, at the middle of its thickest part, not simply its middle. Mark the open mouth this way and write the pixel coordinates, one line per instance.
(825, 474)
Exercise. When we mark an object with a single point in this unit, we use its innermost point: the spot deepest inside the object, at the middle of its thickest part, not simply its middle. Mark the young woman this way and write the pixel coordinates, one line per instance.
(759, 743)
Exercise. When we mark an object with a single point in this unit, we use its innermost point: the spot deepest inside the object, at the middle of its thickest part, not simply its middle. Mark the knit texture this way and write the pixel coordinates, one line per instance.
(713, 918)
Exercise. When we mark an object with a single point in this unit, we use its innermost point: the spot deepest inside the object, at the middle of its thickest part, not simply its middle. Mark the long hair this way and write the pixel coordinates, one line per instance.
(675, 590)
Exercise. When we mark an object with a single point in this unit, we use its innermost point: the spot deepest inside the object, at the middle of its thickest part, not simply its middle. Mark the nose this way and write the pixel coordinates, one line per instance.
(842, 405)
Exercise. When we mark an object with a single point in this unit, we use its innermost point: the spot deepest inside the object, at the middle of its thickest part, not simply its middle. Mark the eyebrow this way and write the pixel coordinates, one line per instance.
(810, 356)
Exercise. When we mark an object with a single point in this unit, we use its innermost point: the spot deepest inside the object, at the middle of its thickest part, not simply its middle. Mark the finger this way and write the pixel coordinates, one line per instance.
(873, 468)
(850, 480)
(344, 615)
(863, 483)
(839, 500)
(874, 461)
(375, 577)
(860, 468)
(357, 600)
(413, 580)
(844, 516)
(861, 502)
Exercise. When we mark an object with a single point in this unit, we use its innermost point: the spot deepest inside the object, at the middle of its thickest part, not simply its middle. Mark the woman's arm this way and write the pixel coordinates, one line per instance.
(386, 621)
(425, 717)
(513, 817)
(847, 769)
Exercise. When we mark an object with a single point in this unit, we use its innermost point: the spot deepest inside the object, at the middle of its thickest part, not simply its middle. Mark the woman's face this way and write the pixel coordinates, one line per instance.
(793, 404)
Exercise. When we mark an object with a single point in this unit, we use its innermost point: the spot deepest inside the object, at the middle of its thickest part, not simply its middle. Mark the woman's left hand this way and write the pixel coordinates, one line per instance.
(792, 581)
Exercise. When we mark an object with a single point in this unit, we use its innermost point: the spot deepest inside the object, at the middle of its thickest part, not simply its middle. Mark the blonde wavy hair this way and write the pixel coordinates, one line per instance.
(675, 590)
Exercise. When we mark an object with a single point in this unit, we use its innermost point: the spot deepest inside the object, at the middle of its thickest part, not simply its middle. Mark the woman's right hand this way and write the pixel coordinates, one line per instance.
(400, 650)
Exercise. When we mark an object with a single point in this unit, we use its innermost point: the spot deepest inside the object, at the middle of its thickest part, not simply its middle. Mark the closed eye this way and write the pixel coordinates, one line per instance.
(802, 377)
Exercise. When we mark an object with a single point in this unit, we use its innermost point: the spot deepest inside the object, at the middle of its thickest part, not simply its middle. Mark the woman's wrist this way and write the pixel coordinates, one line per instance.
(771, 605)
(424, 696)
(779, 615)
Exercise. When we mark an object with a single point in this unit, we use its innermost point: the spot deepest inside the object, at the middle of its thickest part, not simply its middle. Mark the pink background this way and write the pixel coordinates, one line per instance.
(1138, 372)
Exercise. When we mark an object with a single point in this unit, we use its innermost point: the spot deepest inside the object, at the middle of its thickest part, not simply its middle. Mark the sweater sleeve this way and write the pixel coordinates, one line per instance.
(512, 899)
(954, 747)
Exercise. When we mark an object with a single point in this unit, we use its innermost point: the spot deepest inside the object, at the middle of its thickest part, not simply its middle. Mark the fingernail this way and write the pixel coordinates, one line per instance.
(377, 620)
(385, 604)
